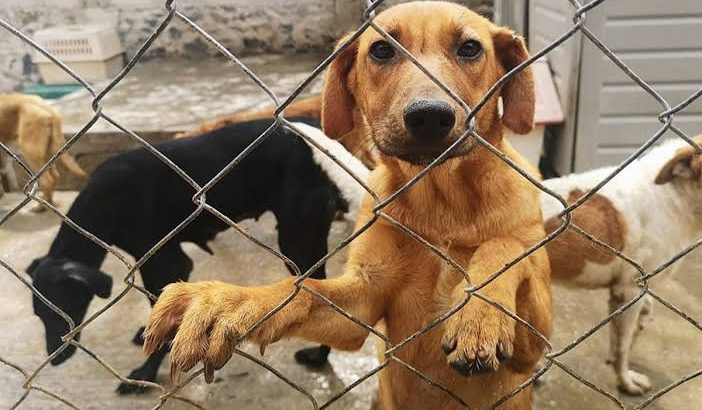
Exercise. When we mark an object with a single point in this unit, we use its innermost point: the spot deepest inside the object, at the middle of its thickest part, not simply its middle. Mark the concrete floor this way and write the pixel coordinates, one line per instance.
(668, 348)
(177, 94)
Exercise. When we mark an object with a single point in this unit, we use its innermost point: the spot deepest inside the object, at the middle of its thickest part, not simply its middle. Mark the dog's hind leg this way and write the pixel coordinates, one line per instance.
(645, 316)
(138, 338)
(168, 265)
(47, 182)
(313, 356)
(34, 139)
(303, 227)
(623, 329)
(8, 174)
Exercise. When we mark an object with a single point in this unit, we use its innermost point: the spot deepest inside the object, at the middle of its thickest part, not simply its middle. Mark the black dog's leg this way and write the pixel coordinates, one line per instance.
(313, 356)
(168, 265)
(146, 372)
(138, 338)
(303, 227)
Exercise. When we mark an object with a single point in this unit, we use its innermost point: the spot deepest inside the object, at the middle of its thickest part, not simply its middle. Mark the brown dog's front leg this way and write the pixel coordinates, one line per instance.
(206, 320)
(480, 336)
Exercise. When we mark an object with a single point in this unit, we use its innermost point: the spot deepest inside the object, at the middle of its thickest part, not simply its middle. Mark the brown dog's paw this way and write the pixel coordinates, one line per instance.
(478, 338)
(204, 321)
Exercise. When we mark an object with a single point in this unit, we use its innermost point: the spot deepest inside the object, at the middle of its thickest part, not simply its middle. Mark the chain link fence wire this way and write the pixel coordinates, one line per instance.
(553, 356)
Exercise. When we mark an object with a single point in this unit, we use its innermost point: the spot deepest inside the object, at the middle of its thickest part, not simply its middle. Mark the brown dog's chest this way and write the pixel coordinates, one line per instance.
(455, 206)
(428, 284)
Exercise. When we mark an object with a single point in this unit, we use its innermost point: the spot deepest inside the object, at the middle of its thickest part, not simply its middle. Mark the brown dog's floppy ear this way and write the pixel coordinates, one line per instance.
(685, 164)
(518, 101)
(337, 101)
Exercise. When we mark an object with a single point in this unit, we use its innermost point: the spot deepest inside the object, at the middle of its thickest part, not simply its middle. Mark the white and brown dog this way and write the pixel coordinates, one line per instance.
(665, 181)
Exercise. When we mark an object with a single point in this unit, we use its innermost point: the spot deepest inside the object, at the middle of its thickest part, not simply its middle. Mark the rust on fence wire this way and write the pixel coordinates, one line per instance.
(199, 198)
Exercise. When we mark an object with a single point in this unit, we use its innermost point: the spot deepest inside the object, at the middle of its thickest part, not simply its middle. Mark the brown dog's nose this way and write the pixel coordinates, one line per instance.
(429, 119)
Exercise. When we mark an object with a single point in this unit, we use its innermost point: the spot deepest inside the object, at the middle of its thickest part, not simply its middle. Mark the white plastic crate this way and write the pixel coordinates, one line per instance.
(93, 52)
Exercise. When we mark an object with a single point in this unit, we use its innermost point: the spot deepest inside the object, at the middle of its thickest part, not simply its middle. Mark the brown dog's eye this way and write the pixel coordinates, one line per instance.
(382, 51)
(470, 50)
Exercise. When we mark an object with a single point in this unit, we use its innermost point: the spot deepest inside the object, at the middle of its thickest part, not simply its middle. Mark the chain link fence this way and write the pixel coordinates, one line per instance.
(553, 356)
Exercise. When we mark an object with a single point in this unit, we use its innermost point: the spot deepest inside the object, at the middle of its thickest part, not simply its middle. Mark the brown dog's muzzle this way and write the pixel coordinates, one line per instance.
(429, 121)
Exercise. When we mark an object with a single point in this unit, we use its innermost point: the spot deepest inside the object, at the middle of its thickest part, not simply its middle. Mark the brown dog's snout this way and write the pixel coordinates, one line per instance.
(429, 120)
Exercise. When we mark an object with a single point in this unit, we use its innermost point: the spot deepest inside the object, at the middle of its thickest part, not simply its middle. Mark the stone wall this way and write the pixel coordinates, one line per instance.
(243, 26)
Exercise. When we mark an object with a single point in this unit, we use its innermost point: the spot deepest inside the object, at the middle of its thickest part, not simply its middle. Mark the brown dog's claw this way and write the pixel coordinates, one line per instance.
(166, 316)
(175, 373)
(209, 373)
(150, 345)
(204, 321)
(478, 339)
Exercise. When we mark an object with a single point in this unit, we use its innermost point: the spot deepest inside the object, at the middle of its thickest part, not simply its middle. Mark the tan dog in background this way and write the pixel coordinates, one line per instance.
(310, 107)
(473, 206)
(359, 144)
(36, 128)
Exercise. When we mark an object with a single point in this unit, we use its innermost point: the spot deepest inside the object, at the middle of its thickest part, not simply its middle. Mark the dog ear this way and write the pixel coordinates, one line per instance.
(337, 101)
(518, 99)
(685, 164)
(95, 280)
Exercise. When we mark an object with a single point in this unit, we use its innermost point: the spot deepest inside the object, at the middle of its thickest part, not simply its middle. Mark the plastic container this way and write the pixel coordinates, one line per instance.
(93, 52)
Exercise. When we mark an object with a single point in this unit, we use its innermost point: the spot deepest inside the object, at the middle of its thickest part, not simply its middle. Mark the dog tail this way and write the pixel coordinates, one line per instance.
(351, 190)
(72, 165)
(57, 142)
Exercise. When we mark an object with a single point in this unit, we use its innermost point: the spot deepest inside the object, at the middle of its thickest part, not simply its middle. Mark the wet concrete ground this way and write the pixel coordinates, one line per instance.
(177, 94)
(668, 348)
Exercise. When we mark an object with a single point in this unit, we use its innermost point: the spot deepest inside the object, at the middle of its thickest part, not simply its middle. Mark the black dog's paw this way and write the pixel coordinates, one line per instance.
(139, 337)
(136, 374)
(313, 356)
(125, 388)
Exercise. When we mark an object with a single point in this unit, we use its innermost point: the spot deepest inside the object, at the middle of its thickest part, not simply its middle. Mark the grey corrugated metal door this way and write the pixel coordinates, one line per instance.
(548, 20)
(608, 114)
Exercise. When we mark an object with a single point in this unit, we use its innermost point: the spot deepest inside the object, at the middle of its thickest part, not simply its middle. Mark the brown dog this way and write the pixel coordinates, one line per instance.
(307, 107)
(359, 144)
(473, 206)
(36, 127)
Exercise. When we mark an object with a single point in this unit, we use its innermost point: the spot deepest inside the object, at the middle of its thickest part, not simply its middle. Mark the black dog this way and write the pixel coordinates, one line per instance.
(134, 199)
